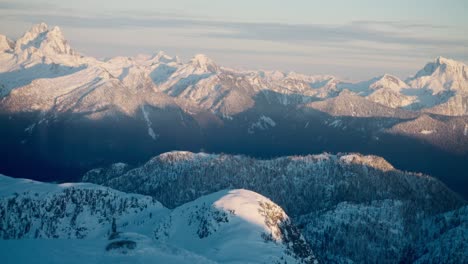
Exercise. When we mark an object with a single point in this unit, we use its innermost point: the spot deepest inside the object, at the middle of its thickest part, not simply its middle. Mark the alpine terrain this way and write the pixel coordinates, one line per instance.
(86, 223)
(156, 159)
(67, 113)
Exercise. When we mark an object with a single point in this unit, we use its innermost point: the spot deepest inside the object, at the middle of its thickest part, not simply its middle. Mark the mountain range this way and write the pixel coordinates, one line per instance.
(66, 113)
(135, 135)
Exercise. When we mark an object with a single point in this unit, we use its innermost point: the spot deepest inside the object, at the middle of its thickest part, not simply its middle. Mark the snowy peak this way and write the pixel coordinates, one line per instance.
(162, 57)
(388, 81)
(37, 29)
(30, 36)
(235, 221)
(389, 90)
(205, 86)
(203, 63)
(273, 75)
(442, 74)
(441, 65)
(5, 43)
(47, 40)
(445, 61)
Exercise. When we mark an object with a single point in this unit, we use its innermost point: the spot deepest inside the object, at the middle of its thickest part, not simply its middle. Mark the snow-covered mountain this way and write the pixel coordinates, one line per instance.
(43, 53)
(63, 113)
(329, 196)
(48, 76)
(390, 91)
(72, 112)
(212, 229)
(442, 74)
(447, 80)
(343, 208)
(236, 226)
(348, 103)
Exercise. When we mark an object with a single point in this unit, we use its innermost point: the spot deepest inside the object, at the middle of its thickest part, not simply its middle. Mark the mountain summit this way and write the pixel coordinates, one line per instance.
(48, 40)
(441, 75)
(204, 63)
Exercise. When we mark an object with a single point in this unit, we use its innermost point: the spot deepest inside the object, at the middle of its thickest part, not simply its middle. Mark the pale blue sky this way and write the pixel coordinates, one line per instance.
(351, 39)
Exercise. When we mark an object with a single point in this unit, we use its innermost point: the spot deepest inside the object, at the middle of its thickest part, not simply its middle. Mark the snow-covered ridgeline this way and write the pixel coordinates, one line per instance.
(43, 53)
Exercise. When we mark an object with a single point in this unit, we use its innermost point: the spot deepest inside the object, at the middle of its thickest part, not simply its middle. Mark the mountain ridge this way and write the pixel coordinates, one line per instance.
(386, 211)
(44, 45)
(148, 105)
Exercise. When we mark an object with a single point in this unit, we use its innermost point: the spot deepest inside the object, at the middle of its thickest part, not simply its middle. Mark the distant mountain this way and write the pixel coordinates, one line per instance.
(442, 74)
(212, 229)
(350, 104)
(448, 80)
(43, 52)
(67, 113)
(50, 77)
(351, 208)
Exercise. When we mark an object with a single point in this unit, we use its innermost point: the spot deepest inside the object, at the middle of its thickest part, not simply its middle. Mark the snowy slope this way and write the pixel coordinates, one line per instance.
(351, 207)
(94, 224)
(225, 223)
(348, 103)
(33, 209)
(71, 223)
(78, 251)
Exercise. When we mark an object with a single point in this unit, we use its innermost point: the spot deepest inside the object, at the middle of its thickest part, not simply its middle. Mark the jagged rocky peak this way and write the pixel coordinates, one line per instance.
(441, 60)
(38, 28)
(5, 43)
(163, 57)
(430, 67)
(42, 37)
(204, 63)
(31, 35)
(449, 66)
(442, 74)
(440, 63)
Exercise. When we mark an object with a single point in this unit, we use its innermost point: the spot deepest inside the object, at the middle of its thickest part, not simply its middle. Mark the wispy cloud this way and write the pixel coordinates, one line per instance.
(398, 32)
(403, 44)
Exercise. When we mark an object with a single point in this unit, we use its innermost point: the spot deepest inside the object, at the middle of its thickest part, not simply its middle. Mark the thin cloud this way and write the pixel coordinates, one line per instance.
(401, 24)
(25, 6)
(402, 44)
(297, 33)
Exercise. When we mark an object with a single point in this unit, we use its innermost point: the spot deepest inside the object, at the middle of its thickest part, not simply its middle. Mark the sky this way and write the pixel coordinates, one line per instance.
(354, 40)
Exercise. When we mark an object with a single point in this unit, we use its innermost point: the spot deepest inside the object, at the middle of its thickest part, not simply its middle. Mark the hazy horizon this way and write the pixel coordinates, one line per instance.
(357, 41)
